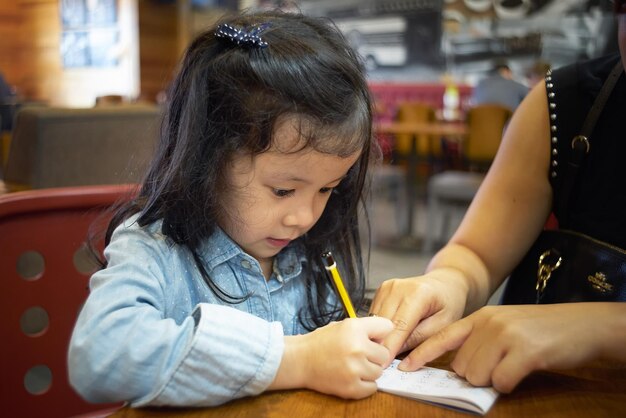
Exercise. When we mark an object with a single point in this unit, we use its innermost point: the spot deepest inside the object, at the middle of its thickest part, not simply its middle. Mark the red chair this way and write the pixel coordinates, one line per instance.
(44, 272)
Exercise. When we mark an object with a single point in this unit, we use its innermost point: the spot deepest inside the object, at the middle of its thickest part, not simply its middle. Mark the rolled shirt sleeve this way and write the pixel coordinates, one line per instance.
(245, 353)
(147, 335)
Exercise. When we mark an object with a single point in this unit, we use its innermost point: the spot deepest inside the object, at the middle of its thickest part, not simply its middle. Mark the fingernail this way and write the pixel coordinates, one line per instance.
(404, 364)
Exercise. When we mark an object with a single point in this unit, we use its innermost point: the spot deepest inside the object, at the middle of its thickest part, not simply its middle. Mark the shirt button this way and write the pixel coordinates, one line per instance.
(289, 270)
(246, 264)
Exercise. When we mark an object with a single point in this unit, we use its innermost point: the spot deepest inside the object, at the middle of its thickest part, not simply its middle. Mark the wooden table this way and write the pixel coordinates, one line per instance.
(591, 392)
(455, 129)
(450, 130)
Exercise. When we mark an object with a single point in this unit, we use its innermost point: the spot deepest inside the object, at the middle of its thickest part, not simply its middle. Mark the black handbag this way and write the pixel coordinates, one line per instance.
(564, 265)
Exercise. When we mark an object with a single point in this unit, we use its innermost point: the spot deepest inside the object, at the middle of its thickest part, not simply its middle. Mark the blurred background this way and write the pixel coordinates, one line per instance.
(423, 58)
(82, 84)
(70, 52)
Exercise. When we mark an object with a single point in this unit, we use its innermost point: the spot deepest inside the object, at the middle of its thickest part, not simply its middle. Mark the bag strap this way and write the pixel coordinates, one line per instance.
(580, 143)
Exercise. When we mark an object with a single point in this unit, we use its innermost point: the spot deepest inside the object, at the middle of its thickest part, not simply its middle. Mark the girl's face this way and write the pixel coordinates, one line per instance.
(279, 195)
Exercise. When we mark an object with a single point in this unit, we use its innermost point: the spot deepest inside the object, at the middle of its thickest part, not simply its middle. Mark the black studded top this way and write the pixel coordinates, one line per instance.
(598, 200)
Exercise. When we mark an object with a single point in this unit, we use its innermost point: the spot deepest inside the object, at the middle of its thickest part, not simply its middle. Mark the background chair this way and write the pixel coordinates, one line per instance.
(44, 271)
(389, 180)
(429, 149)
(387, 199)
(450, 190)
(58, 147)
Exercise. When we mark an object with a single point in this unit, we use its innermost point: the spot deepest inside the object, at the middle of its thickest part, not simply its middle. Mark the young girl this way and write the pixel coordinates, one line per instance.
(213, 274)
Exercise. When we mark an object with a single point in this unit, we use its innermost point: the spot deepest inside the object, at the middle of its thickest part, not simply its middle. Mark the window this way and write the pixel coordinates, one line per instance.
(90, 33)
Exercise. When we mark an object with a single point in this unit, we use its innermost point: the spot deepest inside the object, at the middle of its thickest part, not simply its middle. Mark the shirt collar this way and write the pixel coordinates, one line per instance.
(220, 248)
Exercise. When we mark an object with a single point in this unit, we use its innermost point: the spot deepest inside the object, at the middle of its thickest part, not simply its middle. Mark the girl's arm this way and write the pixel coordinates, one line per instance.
(343, 358)
(139, 339)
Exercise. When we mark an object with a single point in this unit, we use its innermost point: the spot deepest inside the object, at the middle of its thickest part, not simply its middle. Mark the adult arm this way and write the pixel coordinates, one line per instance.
(500, 345)
(503, 220)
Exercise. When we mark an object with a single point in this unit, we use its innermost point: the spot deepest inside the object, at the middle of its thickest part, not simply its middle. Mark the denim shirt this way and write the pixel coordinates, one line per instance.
(152, 332)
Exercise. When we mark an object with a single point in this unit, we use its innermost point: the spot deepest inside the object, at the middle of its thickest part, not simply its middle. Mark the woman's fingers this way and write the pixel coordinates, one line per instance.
(449, 338)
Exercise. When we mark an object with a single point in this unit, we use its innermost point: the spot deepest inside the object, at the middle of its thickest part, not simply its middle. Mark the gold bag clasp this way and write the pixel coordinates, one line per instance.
(545, 270)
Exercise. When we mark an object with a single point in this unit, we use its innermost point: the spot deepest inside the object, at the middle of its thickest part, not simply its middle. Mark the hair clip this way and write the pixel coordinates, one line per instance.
(240, 36)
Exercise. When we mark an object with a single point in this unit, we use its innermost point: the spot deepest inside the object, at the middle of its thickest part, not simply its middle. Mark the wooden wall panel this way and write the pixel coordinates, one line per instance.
(30, 59)
(30, 55)
(160, 49)
(41, 58)
(10, 47)
(28, 45)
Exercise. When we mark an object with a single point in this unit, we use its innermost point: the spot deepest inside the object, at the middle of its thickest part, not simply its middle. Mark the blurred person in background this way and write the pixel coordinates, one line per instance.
(499, 87)
(7, 97)
(7, 92)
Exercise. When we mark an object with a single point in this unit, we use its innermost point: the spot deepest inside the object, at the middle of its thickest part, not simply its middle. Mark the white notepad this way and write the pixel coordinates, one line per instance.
(437, 386)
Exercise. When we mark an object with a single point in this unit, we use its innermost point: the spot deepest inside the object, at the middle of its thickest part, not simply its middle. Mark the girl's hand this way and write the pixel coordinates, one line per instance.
(419, 307)
(500, 345)
(342, 358)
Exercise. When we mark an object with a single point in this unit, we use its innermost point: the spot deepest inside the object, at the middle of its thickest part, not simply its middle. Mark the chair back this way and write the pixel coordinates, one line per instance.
(44, 272)
(486, 124)
(416, 112)
(59, 147)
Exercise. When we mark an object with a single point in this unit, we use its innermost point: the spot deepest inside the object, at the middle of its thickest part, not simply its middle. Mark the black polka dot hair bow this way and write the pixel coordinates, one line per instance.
(241, 36)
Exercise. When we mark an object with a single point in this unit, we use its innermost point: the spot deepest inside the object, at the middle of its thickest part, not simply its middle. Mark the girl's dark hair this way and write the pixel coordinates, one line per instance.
(227, 98)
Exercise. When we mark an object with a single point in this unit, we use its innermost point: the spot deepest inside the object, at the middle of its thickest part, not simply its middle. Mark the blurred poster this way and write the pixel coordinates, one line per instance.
(90, 33)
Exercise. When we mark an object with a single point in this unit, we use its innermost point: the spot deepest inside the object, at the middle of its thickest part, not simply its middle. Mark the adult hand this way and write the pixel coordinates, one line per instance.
(342, 358)
(419, 306)
(500, 345)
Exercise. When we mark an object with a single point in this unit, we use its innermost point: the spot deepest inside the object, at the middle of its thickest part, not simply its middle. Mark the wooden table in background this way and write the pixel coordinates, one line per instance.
(590, 392)
(437, 130)
(416, 128)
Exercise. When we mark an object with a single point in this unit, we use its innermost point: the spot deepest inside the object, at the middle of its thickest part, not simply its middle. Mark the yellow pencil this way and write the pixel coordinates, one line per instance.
(331, 266)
